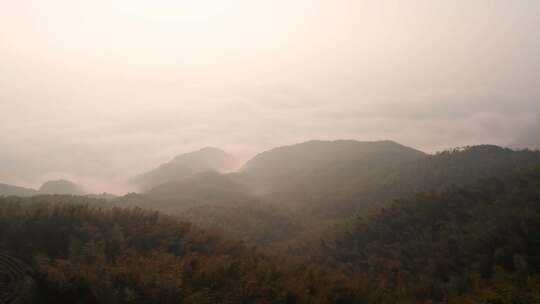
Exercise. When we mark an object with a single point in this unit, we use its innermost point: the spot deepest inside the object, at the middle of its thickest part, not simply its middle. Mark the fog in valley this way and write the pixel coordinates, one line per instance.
(99, 91)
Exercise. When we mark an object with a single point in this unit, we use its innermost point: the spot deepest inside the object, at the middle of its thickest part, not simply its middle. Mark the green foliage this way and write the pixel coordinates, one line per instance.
(217, 201)
(465, 228)
(84, 253)
(440, 245)
(184, 166)
(296, 192)
(367, 189)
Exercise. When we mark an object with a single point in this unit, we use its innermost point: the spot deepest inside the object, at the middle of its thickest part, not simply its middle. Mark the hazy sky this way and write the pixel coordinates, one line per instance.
(100, 90)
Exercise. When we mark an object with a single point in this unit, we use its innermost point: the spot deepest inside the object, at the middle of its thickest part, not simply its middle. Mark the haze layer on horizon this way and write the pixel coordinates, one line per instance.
(97, 91)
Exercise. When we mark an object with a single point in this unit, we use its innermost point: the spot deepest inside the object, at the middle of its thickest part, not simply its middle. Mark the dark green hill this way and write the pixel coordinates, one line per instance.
(61, 186)
(9, 190)
(474, 244)
(79, 252)
(216, 201)
(336, 181)
(462, 166)
(184, 166)
(253, 221)
(317, 166)
(200, 189)
(208, 186)
(347, 178)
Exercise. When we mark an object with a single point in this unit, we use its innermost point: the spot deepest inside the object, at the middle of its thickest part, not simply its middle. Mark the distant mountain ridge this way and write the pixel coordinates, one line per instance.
(305, 186)
(184, 166)
(318, 166)
(294, 159)
(462, 166)
(214, 200)
(371, 222)
(62, 187)
(235, 203)
(10, 190)
(205, 187)
(316, 183)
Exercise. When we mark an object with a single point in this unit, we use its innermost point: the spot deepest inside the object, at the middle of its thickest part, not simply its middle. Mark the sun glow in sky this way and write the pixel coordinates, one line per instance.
(101, 90)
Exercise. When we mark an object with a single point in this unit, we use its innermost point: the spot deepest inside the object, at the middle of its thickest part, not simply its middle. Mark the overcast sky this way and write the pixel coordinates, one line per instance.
(100, 90)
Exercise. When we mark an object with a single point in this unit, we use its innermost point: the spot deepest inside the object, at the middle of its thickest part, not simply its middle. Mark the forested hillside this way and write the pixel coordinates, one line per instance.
(475, 244)
(80, 252)
(338, 181)
(217, 201)
(461, 166)
(316, 167)
(460, 226)
(61, 186)
(185, 166)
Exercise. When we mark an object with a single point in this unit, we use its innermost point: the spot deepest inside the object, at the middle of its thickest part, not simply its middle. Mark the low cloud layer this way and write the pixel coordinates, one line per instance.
(100, 92)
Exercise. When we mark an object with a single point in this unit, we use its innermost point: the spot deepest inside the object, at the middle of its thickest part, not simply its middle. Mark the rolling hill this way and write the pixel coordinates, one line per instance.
(79, 251)
(8, 190)
(216, 201)
(61, 186)
(318, 166)
(49, 187)
(464, 244)
(336, 181)
(344, 178)
(184, 166)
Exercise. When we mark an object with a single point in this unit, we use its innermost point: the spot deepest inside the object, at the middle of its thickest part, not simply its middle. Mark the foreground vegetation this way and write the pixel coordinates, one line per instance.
(462, 226)
(478, 244)
(82, 253)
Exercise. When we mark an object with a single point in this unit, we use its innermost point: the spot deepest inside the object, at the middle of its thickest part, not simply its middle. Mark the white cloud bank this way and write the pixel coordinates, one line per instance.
(98, 91)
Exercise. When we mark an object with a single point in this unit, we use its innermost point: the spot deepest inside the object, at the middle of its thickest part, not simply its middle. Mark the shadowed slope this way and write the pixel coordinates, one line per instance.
(184, 166)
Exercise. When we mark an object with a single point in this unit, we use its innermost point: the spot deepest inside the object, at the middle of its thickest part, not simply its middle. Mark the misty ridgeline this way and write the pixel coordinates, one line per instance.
(315, 222)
